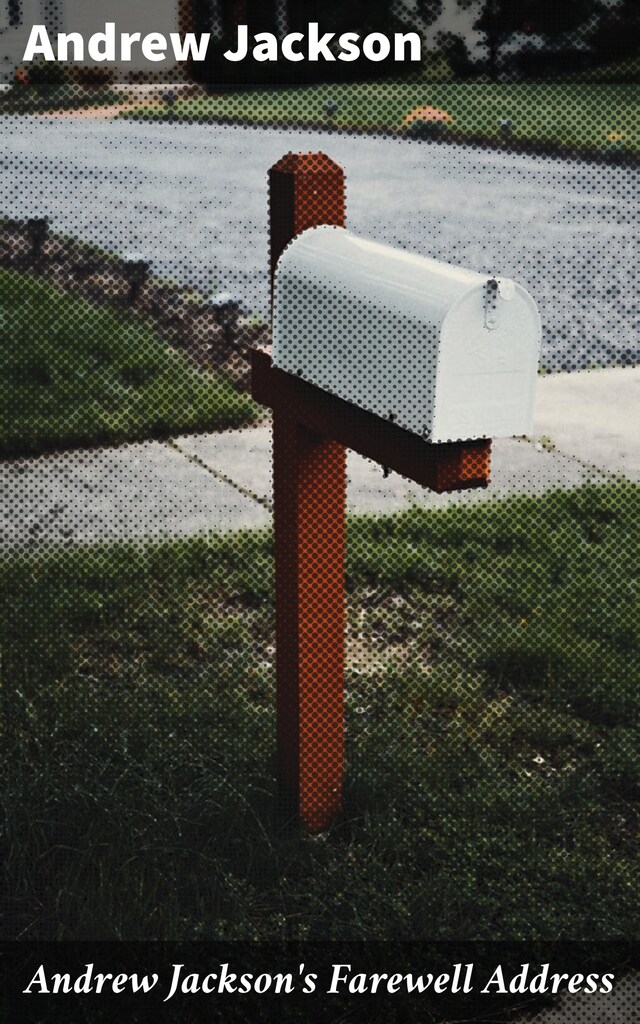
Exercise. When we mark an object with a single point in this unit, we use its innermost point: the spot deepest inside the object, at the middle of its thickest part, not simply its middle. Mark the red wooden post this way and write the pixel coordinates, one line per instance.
(311, 430)
(309, 493)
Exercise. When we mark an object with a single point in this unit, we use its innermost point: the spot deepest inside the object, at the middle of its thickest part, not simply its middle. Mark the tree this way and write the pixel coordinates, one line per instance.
(278, 16)
(617, 35)
(455, 52)
(499, 19)
(356, 16)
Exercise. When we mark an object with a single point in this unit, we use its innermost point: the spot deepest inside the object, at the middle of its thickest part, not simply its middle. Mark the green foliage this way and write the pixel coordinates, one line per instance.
(617, 34)
(75, 373)
(501, 18)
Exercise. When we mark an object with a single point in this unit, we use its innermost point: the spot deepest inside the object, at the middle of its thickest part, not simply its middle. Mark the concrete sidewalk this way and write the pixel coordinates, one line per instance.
(586, 430)
(622, 1006)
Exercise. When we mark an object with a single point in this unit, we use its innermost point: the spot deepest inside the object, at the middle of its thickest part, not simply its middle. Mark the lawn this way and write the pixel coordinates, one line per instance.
(53, 98)
(575, 116)
(493, 700)
(76, 373)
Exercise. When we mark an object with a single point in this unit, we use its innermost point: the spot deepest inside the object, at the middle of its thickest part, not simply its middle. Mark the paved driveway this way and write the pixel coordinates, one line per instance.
(192, 199)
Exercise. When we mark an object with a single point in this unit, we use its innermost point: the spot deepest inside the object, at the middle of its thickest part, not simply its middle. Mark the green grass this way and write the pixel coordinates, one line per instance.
(622, 71)
(493, 706)
(75, 373)
(53, 98)
(575, 116)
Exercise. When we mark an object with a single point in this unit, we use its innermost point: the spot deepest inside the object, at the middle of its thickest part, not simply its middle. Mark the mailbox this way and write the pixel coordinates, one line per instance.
(446, 353)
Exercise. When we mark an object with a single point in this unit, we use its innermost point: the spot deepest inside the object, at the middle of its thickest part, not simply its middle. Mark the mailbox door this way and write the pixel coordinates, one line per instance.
(487, 367)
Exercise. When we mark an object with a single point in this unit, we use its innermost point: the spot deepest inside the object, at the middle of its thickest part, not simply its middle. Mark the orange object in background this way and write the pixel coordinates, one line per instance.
(428, 115)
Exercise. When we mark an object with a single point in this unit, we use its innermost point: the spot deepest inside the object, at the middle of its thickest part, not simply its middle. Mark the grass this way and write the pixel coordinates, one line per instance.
(75, 373)
(493, 709)
(577, 117)
(53, 98)
(622, 71)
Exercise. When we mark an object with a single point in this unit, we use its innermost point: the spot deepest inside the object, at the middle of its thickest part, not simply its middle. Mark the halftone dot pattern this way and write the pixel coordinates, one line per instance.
(490, 655)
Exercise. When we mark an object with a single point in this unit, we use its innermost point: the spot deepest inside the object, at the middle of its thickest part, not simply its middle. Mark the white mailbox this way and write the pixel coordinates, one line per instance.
(446, 353)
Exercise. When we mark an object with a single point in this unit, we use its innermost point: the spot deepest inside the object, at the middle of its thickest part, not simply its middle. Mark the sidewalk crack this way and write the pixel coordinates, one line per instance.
(197, 461)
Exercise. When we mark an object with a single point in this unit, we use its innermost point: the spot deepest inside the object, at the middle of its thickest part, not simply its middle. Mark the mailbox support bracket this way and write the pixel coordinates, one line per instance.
(440, 467)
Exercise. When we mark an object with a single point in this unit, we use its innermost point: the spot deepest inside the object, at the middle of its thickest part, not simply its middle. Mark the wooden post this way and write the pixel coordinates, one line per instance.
(309, 494)
(311, 430)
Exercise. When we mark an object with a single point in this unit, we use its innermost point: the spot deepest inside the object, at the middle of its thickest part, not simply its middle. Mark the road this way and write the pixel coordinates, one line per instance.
(192, 199)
